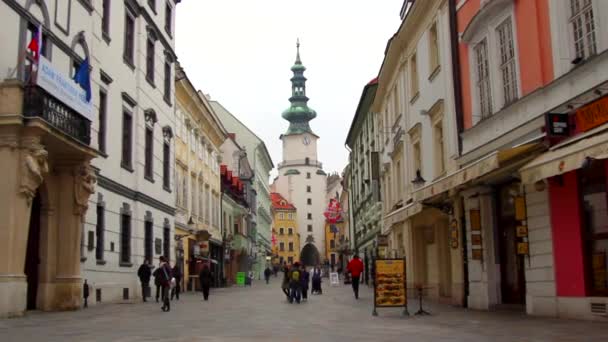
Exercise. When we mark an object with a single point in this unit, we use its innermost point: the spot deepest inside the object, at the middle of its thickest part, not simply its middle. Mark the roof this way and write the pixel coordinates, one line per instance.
(279, 202)
(362, 108)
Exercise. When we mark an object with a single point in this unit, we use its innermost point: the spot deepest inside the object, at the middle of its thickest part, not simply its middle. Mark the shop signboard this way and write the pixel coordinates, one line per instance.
(390, 285)
(558, 124)
(592, 115)
(240, 278)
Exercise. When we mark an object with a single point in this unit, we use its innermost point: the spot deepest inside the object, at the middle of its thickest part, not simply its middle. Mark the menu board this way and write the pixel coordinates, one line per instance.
(390, 283)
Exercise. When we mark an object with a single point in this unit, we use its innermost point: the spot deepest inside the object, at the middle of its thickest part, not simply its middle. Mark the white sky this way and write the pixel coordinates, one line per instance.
(241, 51)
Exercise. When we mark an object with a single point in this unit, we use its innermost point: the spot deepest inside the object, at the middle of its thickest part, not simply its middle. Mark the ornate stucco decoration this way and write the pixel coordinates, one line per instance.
(84, 187)
(34, 167)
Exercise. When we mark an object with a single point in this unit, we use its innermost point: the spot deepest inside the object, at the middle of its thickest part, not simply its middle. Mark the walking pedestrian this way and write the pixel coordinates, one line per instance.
(205, 279)
(157, 277)
(316, 281)
(355, 267)
(285, 282)
(165, 276)
(177, 274)
(304, 282)
(267, 273)
(294, 283)
(144, 274)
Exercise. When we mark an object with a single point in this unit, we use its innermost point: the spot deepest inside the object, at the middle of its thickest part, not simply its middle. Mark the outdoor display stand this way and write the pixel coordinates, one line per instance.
(389, 285)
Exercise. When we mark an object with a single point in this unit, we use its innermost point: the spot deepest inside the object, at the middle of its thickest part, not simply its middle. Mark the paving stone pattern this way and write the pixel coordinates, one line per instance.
(261, 313)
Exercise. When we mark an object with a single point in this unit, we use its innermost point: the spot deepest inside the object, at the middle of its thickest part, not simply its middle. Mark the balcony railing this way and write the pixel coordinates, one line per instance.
(38, 103)
(301, 162)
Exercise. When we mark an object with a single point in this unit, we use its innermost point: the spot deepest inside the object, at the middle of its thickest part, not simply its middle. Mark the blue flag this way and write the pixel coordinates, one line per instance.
(83, 77)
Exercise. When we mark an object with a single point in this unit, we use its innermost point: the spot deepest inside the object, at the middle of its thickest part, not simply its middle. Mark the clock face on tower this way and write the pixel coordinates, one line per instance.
(306, 140)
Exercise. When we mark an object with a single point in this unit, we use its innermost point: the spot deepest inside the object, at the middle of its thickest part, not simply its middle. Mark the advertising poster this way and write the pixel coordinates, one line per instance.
(390, 290)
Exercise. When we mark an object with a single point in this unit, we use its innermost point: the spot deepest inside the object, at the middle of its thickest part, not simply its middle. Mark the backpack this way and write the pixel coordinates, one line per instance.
(295, 275)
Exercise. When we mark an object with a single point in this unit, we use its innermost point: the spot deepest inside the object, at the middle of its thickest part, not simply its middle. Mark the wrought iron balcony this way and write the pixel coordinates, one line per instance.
(37, 103)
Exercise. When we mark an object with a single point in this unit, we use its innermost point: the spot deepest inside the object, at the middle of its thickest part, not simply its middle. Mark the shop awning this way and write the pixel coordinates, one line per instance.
(566, 156)
(402, 214)
(474, 170)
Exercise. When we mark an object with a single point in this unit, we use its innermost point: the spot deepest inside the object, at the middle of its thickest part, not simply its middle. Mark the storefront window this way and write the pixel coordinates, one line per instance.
(595, 225)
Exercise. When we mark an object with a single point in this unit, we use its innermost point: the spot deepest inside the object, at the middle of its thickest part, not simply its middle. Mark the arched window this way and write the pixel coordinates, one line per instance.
(29, 27)
(81, 51)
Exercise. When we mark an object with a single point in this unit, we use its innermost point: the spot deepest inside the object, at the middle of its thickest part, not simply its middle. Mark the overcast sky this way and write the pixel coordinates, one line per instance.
(241, 51)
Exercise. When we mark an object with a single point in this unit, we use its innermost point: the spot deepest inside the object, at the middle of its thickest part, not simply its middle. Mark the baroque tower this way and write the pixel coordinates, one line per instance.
(301, 178)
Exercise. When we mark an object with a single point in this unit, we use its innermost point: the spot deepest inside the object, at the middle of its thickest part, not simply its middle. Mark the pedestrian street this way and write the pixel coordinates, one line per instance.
(261, 313)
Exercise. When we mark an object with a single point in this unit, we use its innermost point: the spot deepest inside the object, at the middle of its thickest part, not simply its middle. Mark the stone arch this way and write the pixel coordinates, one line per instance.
(24, 23)
(309, 256)
(43, 8)
(79, 39)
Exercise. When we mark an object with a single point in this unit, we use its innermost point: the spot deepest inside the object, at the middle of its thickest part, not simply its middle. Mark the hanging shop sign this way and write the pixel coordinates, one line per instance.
(592, 115)
(557, 124)
(389, 284)
(454, 234)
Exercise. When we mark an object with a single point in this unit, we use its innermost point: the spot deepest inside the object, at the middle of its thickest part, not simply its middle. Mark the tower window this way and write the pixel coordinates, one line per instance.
(309, 201)
(310, 227)
(309, 216)
(307, 175)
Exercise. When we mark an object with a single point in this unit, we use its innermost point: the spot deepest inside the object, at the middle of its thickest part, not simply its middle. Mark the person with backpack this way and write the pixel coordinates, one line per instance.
(165, 275)
(285, 282)
(294, 283)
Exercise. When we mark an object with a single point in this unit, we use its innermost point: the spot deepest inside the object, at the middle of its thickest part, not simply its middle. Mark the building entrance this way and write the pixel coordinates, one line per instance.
(32, 258)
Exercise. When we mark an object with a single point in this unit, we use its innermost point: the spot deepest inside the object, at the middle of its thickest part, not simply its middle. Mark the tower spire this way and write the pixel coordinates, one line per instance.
(298, 114)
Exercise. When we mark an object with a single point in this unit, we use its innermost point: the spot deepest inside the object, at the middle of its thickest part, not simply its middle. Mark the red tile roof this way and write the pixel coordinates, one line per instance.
(279, 202)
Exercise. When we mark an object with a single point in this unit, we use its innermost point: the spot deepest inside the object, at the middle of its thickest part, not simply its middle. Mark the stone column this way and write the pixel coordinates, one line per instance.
(24, 164)
(77, 184)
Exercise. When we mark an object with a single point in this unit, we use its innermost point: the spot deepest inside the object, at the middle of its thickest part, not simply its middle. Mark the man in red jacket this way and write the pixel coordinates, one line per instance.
(355, 267)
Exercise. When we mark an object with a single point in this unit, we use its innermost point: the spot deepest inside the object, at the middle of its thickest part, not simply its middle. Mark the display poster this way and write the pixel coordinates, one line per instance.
(390, 290)
(334, 279)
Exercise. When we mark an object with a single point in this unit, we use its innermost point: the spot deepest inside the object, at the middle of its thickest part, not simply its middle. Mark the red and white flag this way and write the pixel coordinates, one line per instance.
(35, 45)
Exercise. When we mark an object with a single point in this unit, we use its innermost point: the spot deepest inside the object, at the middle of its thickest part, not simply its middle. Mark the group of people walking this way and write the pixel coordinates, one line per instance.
(296, 280)
(167, 280)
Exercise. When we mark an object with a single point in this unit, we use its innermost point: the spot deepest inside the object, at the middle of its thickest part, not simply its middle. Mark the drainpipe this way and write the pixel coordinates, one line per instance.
(350, 203)
(454, 40)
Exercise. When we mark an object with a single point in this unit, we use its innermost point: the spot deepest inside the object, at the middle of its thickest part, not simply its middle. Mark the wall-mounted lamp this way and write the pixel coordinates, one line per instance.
(418, 180)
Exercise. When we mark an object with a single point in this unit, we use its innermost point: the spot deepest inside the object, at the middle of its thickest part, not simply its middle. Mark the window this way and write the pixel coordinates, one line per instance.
(101, 133)
(332, 243)
(290, 216)
(105, 19)
(307, 175)
(193, 207)
(439, 150)
(290, 230)
(125, 238)
(413, 76)
(127, 140)
(167, 243)
(168, 18)
(309, 216)
(281, 231)
(333, 259)
(583, 28)
(150, 60)
(201, 203)
(417, 157)
(282, 246)
(100, 231)
(207, 206)
(148, 240)
(129, 46)
(166, 166)
(308, 188)
(507, 61)
(168, 81)
(291, 246)
(185, 188)
(310, 227)
(483, 79)
(399, 185)
(281, 216)
(309, 201)
(434, 48)
(149, 154)
(290, 260)
(595, 224)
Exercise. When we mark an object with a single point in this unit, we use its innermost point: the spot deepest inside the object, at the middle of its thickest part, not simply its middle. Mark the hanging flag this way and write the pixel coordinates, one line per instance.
(333, 213)
(83, 78)
(35, 45)
(274, 239)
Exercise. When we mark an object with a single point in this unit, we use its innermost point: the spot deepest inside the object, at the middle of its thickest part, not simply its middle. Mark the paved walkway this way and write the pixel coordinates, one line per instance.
(261, 313)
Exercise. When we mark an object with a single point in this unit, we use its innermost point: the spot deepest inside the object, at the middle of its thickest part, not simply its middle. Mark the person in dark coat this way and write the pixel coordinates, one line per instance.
(157, 277)
(267, 274)
(164, 276)
(285, 282)
(304, 281)
(316, 281)
(205, 279)
(144, 274)
(177, 274)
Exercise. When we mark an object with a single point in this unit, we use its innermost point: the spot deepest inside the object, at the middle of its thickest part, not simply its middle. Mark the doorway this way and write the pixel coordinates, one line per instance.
(32, 256)
(513, 281)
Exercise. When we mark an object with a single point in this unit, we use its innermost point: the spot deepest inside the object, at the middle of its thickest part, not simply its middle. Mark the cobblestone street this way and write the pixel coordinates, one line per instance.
(261, 313)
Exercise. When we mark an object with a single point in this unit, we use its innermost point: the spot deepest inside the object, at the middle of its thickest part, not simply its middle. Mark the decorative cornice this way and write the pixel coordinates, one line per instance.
(137, 196)
(87, 5)
(128, 99)
(105, 78)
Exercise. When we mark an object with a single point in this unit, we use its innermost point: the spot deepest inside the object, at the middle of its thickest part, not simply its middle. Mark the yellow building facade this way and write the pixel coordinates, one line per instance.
(286, 246)
(198, 137)
(333, 241)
